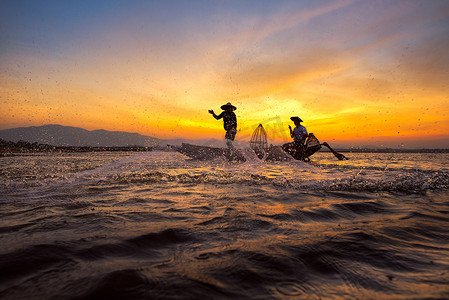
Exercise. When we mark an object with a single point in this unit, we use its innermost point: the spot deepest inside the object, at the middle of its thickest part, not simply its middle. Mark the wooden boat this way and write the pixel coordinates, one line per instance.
(208, 153)
(259, 149)
(312, 145)
(197, 152)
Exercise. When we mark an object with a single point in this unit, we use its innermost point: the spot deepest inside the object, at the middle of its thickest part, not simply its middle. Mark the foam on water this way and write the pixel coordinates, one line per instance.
(369, 174)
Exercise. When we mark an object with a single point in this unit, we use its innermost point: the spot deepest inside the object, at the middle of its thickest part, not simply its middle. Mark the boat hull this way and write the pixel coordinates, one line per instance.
(231, 154)
(209, 153)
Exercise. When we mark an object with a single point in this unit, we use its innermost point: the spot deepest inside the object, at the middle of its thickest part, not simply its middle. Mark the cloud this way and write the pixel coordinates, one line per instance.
(259, 28)
(264, 75)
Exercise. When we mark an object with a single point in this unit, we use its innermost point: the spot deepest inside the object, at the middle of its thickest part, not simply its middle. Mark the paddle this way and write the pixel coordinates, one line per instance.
(337, 155)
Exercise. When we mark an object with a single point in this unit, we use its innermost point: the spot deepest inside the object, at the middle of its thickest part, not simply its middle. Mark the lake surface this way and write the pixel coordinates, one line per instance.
(157, 225)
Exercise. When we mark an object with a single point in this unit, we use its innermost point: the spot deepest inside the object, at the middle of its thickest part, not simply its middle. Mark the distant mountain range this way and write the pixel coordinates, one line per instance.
(58, 135)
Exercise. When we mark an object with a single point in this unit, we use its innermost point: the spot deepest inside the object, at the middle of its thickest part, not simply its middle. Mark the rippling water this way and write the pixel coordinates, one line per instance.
(157, 225)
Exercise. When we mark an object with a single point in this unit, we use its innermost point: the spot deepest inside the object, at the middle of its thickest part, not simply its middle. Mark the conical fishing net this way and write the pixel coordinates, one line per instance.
(259, 139)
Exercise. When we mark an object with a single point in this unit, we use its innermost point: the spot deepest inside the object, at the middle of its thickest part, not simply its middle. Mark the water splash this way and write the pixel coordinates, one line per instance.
(250, 156)
(162, 167)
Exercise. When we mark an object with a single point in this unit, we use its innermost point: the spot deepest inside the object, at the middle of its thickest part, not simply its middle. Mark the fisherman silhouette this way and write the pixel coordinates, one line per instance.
(229, 121)
(299, 135)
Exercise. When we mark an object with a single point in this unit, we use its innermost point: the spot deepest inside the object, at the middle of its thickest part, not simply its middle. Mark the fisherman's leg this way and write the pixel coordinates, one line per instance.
(228, 139)
(230, 135)
(300, 150)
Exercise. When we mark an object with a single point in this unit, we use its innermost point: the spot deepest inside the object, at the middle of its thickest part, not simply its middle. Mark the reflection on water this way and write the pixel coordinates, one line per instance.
(157, 225)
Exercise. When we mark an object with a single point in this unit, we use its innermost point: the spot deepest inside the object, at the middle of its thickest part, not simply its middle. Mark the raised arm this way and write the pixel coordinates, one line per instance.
(215, 116)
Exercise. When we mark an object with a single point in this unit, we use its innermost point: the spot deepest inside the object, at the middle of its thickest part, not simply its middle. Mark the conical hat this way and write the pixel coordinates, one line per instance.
(228, 105)
(296, 118)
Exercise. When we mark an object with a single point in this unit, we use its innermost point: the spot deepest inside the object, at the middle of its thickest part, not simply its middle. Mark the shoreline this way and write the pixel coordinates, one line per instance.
(21, 147)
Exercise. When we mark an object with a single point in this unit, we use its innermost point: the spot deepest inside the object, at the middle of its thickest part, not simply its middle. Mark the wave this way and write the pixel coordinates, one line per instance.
(225, 232)
(408, 183)
(167, 167)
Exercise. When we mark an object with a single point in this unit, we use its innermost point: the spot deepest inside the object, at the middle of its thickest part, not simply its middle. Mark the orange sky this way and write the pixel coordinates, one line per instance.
(356, 72)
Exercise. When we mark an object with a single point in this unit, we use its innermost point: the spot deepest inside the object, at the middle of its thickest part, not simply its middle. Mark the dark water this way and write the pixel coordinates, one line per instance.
(159, 226)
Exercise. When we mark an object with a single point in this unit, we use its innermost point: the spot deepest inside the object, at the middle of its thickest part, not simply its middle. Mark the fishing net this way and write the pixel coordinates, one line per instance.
(259, 139)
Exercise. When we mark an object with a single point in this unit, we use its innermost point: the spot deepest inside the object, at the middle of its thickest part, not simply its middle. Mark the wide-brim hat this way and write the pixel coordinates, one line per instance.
(228, 105)
(296, 119)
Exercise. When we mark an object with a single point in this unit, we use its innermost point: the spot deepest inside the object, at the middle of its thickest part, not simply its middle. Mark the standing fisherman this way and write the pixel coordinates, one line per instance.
(229, 121)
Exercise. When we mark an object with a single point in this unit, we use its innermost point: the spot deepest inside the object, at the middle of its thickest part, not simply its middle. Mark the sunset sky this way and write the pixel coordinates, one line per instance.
(357, 72)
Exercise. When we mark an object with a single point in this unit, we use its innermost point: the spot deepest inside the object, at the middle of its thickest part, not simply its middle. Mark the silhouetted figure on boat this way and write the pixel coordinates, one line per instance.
(229, 121)
(299, 135)
(305, 144)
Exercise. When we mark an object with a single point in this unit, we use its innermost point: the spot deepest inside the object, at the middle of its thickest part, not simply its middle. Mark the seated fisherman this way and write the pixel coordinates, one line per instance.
(299, 135)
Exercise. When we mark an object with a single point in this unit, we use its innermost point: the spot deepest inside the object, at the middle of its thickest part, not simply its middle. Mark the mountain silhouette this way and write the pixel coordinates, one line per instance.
(58, 135)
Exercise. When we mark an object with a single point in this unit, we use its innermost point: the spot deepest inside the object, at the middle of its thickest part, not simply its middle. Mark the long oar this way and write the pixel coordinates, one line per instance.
(337, 155)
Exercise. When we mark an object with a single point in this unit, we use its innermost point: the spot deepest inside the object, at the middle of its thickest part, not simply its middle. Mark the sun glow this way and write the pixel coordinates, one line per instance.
(352, 79)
